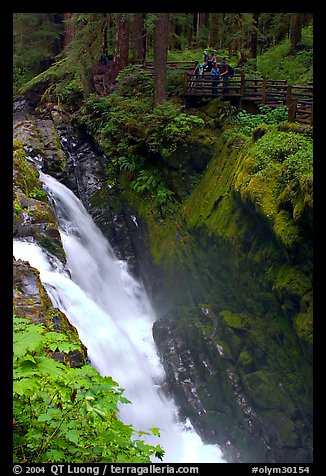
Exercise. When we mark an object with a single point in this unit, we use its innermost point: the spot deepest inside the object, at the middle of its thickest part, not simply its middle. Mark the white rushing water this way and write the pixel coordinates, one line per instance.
(114, 319)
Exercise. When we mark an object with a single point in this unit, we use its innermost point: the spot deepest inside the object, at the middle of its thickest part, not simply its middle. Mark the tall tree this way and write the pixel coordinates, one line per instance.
(69, 28)
(200, 20)
(296, 23)
(105, 31)
(138, 37)
(214, 20)
(161, 31)
(254, 35)
(120, 59)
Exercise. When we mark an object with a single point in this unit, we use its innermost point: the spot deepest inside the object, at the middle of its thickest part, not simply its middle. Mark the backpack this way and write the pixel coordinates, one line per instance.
(230, 71)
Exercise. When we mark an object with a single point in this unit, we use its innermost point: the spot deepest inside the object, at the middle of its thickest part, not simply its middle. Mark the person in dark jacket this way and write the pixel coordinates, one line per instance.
(225, 75)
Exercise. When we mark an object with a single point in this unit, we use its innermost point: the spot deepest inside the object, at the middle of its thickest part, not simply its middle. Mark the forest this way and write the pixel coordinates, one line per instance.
(207, 196)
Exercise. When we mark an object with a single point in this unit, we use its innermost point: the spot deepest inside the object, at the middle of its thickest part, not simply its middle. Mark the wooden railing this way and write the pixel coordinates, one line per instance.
(271, 92)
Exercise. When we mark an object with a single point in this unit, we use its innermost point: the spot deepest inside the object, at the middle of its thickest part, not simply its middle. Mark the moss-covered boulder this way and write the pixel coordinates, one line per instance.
(30, 300)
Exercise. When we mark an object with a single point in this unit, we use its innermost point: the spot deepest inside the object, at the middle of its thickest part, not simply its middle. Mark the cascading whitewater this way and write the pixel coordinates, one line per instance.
(114, 319)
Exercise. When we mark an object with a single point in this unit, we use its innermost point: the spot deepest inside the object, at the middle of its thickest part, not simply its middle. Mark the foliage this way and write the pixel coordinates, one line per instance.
(74, 61)
(175, 82)
(134, 81)
(18, 207)
(70, 91)
(134, 135)
(26, 177)
(36, 38)
(248, 122)
(67, 414)
(276, 176)
(296, 69)
(38, 193)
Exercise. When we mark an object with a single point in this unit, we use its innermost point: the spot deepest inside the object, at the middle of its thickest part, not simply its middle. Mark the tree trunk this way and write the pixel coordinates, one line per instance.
(69, 29)
(138, 37)
(120, 59)
(254, 35)
(296, 22)
(214, 19)
(201, 17)
(105, 32)
(87, 82)
(161, 30)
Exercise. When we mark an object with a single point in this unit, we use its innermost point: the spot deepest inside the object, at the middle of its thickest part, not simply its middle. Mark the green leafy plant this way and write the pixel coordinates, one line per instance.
(248, 122)
(38, 193)
(18, 207)
(67, 414)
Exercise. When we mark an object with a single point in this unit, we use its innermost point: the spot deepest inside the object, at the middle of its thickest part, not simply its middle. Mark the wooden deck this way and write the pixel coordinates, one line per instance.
(238, 89)
(269, 92)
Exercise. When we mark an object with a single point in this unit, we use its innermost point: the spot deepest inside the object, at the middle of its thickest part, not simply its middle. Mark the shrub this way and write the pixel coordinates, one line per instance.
(67, 414)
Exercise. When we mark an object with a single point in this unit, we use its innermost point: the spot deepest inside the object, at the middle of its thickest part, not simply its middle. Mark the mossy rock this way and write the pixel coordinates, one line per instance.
(280, 429)
(291, 280)
(303, 324)
(232, 320)
(26, 176)
(58, 321)
(30, 298)
(263, 387)
(245, 361)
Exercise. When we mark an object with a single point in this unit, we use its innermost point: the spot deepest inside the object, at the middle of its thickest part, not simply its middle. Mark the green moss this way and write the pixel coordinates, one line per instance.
(26, 176)
(292, 280)
(232, 320)
(53, 247)
(303, 323)
(284, 428)
(17, 207)
(42, 213)
(245, 359)
(262, 386)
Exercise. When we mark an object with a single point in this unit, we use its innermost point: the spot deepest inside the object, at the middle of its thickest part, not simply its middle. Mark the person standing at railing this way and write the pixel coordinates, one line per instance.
(226, 72)
(215, 75)
(193, 84)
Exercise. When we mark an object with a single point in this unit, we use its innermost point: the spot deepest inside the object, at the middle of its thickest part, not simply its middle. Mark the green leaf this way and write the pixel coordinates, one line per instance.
(54, 455)
(100, 413)
(47, 366)
(31, 340)
(73, 436)
(25, 387)
(155, 431)
(44, 417)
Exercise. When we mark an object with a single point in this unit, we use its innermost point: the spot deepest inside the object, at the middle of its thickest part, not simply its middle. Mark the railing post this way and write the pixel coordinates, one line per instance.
(242, 83)
(186, 82)
(263, 91)
(312, 115)
(292, 105)
(288, 94)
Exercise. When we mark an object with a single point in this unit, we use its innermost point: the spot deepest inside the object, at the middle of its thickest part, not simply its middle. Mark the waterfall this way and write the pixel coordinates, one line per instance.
(114, 318)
